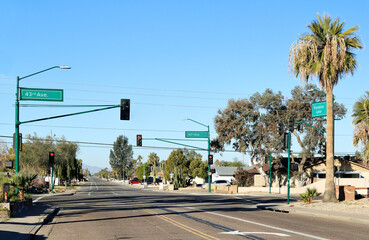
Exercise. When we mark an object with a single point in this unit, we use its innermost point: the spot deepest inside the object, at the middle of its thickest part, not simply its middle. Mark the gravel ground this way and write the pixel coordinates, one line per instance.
(360, 206)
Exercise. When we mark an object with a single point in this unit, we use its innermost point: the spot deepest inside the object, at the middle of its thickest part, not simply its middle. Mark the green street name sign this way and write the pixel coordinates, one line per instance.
(196, 134)
(40, 94)
(319, 109)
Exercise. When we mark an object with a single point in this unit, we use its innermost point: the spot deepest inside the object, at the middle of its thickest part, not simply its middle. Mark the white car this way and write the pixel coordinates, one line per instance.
(217, 182)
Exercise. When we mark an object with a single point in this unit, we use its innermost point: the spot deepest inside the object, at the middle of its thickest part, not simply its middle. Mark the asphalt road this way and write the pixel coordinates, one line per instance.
(106, 210)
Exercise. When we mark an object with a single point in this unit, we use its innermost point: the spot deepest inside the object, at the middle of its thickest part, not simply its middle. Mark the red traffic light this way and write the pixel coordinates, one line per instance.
(51, 154)
(139, 140)
(48, 171)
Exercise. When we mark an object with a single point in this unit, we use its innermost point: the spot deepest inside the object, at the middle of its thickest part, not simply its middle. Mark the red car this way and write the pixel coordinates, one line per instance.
(134, 181)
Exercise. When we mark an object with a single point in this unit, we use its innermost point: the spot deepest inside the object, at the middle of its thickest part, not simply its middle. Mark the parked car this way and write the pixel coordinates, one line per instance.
(217, 182)
(134, 181)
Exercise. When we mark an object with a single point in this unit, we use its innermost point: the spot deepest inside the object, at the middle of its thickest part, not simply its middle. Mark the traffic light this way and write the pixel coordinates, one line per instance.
(324, 150)
(51, 157)
(139, 140)
(48, 171)
(212, 170)
(285, 141)
(291, 123)
(280, 129)
(210, 159)
(19, 141)
(124, 109)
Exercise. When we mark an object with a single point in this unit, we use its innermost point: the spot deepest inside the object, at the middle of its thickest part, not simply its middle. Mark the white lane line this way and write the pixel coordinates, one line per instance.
(254, 233)
(247, 200)
(97, 189)
(37, 199)
(89, 193)
(260, 224)
(115, 193)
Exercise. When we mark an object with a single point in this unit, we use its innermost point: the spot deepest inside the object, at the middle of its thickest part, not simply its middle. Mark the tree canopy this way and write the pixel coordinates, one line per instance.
(121, 156)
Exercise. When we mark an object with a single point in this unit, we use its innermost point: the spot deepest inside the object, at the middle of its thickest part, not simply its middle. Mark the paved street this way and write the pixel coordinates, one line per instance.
(106, 210)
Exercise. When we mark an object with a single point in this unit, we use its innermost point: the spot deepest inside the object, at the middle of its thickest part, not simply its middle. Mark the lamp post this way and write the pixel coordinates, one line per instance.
(17, 122)
(207, 126)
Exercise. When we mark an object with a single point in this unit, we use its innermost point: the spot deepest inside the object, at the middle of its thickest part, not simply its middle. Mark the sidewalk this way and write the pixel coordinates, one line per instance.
(25, 225)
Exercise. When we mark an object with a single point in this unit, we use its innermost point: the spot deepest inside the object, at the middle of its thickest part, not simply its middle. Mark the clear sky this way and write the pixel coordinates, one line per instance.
(173, 59)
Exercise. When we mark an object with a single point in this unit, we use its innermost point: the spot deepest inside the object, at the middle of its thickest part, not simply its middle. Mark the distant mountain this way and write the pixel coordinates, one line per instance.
(92, 169)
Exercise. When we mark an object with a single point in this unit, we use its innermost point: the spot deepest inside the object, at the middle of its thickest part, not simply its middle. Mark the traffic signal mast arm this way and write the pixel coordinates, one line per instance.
(311, 126)
(71, 114)
(164, 140)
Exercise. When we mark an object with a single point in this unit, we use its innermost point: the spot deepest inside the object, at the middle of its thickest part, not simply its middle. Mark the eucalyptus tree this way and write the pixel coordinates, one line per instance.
(326, 53)
(251, 124)
(121, 156)
(361, 125)
(298, 107)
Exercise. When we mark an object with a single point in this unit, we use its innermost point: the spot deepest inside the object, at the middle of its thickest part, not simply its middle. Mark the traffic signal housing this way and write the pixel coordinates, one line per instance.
(212, 170)
(124, 109)
(139, 140)
(51, 157)
(210, 159)
(324, 150)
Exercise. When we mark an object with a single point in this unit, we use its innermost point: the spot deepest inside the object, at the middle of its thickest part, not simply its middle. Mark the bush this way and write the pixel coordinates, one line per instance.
(243, 178)
(308, 196)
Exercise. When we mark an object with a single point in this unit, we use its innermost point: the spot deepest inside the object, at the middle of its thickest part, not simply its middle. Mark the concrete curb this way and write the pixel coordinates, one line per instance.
(48, 215)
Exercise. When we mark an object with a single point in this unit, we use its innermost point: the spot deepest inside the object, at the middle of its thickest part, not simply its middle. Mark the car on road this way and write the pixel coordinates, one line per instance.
(134, 181)
(218, 182)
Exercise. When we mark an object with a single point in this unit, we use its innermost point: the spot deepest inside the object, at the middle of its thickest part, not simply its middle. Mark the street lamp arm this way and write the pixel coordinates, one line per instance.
(196, 122)
(61, 67)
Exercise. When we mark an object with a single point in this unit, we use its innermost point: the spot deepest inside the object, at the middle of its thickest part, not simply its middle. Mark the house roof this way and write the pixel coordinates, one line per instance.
(225, 171)
(254, 170)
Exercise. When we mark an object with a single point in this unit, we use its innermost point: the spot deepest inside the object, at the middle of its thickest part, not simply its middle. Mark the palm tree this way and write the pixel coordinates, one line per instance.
(326, 53)
(361, 124)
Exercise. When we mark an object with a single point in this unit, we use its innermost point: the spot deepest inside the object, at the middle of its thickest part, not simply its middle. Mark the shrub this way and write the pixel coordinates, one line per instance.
(243, 178)
(309, 195)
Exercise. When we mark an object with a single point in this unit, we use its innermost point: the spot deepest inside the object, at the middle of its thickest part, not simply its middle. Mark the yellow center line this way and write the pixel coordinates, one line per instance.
(180, 225)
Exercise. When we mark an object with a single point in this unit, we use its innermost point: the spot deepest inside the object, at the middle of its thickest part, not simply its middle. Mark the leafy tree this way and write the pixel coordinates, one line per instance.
(298, 107)
(153, 160)
(361, 125)
(251, 124)
(198, 168)
(326, 53)
(179, 165)
(121, 156)
(140, 171)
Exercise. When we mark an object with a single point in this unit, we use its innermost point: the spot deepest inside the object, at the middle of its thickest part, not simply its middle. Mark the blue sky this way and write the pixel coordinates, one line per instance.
(173, 59)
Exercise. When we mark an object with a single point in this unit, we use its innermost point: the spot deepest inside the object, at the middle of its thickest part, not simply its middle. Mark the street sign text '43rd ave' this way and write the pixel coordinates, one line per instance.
(319, 109)
(41, 94)
(196, 134)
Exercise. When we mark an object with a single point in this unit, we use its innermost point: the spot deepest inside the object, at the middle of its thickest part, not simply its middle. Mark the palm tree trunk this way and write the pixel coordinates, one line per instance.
(330, 190)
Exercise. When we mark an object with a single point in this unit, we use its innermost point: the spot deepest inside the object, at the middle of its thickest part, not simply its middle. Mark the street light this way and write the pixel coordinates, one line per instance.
(209, 170)
(17, 122)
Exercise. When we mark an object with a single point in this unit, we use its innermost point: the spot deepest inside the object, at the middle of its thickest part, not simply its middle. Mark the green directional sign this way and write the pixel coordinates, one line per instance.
(196, 134)
(41, 94)
(319, 109)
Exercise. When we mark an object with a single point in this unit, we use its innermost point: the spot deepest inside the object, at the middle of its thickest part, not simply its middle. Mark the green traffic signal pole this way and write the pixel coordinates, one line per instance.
(17, 122)
(209, 170)
(288, 167)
